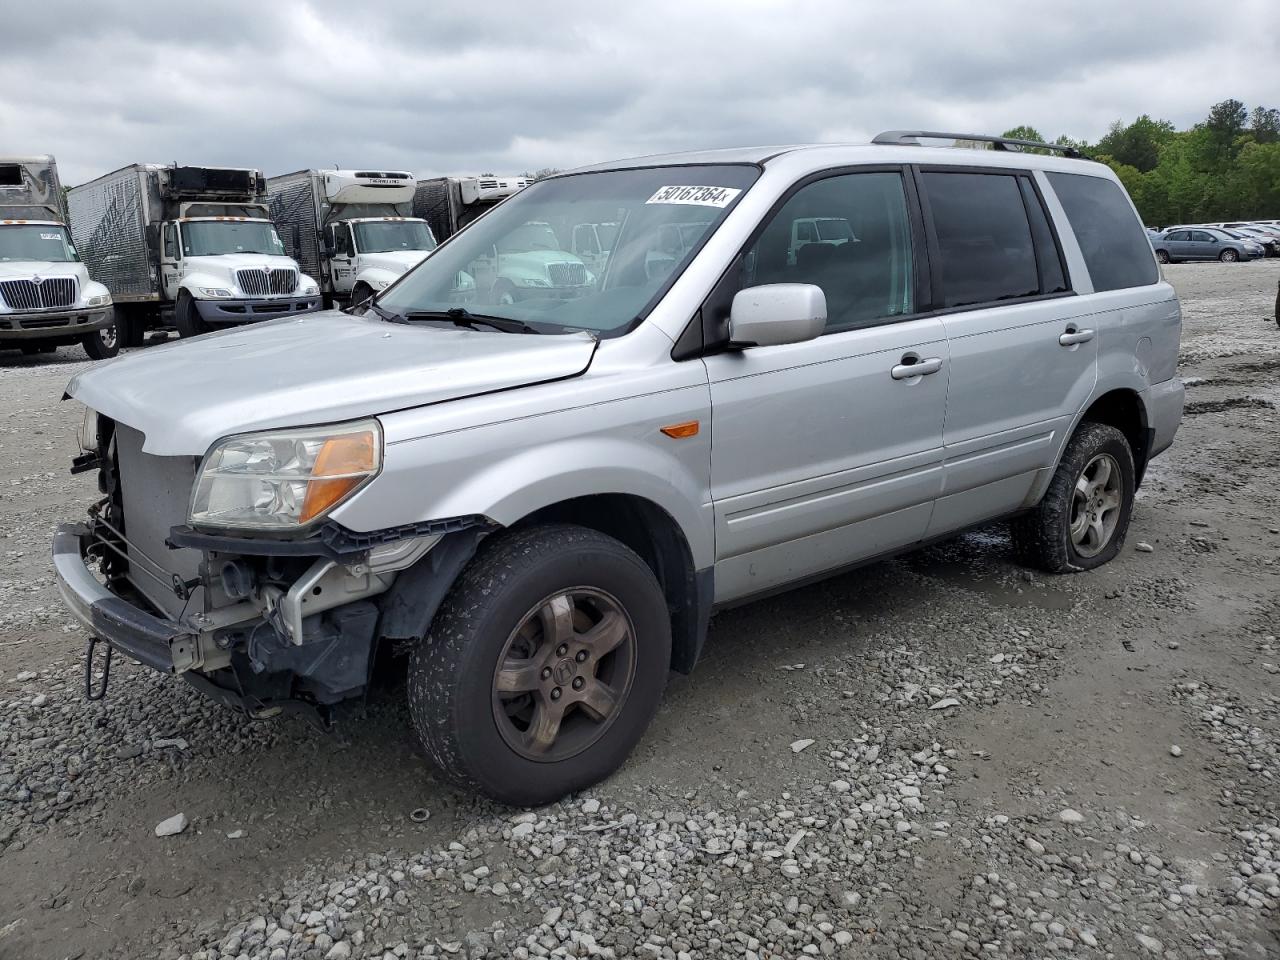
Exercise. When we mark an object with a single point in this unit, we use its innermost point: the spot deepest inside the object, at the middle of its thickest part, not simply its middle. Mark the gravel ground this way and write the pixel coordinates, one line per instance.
(934, 756)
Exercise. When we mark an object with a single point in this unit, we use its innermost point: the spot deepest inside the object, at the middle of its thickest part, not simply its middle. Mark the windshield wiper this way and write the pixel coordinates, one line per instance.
(386, 315)
(462, 317)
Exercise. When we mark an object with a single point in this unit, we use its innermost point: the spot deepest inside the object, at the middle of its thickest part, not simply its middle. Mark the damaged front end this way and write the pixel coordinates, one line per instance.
(261, 623)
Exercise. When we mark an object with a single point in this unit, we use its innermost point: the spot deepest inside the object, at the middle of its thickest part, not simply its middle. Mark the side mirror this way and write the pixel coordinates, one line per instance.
(777, 313)
(328, 250)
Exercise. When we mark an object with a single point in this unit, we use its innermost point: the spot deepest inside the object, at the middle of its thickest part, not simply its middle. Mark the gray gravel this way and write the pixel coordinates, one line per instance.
(936, 756)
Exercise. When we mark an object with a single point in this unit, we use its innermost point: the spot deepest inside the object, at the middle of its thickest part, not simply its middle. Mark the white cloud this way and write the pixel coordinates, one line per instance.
(503, 86)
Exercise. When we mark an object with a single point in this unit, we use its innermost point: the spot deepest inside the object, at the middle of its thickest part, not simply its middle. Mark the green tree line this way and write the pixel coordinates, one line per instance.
(1226, 167)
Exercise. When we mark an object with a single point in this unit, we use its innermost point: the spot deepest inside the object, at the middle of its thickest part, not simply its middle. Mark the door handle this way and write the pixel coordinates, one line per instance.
(920, 368)
(1072, 337)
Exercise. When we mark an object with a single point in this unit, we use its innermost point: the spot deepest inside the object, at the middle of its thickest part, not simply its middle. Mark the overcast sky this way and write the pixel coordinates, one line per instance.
(499, 86)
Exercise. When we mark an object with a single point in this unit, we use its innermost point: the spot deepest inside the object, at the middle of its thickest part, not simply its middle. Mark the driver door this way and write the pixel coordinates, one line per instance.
(170, 261)
(830, 451)
(342, 263)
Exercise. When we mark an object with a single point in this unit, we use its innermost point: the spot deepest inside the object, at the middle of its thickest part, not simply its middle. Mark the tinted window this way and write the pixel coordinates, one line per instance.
(170, 242)
(1110, 236)
(862, 262)
(984, 238)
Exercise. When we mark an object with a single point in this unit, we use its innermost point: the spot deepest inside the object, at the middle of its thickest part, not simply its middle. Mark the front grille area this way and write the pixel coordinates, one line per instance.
(567, 273)
(263, 283)
(154, 492)
(48, 293)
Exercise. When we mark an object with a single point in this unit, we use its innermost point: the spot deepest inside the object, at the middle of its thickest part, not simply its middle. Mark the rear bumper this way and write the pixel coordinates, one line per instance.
(44, 324)
(1163, 403)
(129, 629)
(250, 311)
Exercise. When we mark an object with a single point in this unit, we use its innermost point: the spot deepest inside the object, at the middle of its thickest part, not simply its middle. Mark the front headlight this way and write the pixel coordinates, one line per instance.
(380, 284)
(217, 293)
(282, 480)
(101, 300)
(87, 435)
(310, 289)
(530, 282)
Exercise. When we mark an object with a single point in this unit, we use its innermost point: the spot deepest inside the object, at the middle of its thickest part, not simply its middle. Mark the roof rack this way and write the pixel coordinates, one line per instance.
(911, 138)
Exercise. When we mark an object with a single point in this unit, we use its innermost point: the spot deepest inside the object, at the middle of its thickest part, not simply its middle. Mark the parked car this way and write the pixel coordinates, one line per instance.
(1268, 237)
(1203, 243)
(528, 501)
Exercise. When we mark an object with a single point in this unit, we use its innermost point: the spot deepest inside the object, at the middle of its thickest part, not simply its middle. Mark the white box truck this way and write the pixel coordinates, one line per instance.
(46, 297)
(191, 246)
(540, 260)
(449, 203)
(353, 230)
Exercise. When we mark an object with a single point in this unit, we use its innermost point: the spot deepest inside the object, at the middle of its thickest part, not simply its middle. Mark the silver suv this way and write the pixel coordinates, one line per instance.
(543, 503)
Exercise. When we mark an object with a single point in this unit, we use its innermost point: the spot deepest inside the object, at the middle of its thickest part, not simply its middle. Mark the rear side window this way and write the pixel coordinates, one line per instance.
(1115, 246)
(985, 248)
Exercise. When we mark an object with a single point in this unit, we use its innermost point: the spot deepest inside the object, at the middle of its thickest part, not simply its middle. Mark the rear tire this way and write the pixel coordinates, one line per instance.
(102, 344)
(131, 325)
(1228, 256)
(1082, 520)
(550, 608)
(1162, 256)
(187, 319)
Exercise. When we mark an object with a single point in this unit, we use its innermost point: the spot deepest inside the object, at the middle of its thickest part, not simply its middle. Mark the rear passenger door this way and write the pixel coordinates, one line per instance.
(1023, 353)
(1178, 243)
(829, 451)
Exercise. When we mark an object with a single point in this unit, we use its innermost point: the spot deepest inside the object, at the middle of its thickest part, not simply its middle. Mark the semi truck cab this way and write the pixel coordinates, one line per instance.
(234, 269)
(46, 297)
(368, 254)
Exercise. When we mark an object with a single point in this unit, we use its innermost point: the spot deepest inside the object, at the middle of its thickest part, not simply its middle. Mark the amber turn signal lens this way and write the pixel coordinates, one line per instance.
(680, 431)
(342, 465)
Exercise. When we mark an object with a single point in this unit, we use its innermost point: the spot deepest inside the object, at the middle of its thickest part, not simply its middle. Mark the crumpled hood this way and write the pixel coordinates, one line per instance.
(320, 368)
(26, 269)
(394, 261)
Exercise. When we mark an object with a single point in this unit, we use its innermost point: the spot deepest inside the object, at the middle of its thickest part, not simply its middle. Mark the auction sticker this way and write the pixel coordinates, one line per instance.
(697, 196)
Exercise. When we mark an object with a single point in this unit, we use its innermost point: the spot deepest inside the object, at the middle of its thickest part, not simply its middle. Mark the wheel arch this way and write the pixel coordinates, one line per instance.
(657, 538)
(1123, 409)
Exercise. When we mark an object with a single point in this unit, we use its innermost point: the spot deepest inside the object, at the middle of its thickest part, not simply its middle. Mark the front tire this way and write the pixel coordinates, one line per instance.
(102, 344)
(1228, 256)
(1082, 520)
(543, 666)
(187, 318)
(503, 293)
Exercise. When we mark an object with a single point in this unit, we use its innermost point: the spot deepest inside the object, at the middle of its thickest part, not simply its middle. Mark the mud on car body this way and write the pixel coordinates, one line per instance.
(528, 497)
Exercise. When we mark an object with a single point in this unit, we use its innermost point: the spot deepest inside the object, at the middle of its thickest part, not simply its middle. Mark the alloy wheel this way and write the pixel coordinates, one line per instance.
(1095, 505)
(564, 674)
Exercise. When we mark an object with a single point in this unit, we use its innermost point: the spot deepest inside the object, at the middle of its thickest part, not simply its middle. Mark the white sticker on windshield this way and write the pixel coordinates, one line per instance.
(697, 196)
(50, 236)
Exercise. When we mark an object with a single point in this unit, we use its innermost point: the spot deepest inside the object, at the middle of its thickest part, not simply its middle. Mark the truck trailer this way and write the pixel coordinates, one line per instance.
(189, 246)
(353, 230)
(46, 297)
(449, 203)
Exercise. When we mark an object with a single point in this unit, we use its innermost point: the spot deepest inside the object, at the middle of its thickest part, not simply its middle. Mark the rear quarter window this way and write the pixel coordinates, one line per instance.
(1114, 245)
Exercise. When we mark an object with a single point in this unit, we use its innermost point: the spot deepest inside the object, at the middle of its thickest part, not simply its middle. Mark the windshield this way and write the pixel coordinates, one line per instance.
(34, 241)
(389, 236)
(208, 238)
(517, 258)
(834, 229)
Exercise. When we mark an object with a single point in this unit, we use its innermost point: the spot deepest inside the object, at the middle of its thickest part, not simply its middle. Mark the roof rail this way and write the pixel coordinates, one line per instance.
(905, 138)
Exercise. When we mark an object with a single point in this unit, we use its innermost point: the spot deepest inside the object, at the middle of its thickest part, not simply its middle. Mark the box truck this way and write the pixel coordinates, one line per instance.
(46, 297)
(353, 230)
(189, 246)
